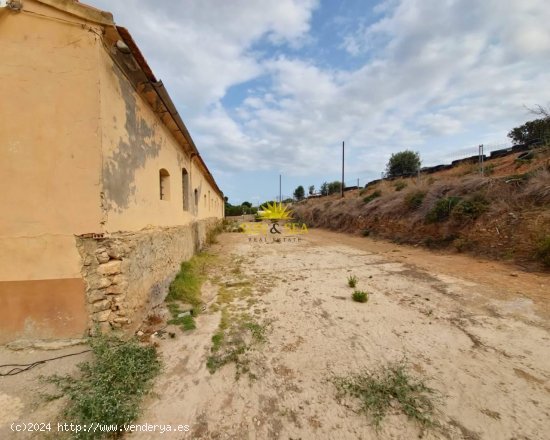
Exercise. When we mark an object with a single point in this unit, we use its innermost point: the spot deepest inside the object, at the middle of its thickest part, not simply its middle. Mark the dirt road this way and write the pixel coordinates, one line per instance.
(477, 332)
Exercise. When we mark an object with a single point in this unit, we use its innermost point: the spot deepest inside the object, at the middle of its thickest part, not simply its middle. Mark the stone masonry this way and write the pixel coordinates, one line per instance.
(128, 273)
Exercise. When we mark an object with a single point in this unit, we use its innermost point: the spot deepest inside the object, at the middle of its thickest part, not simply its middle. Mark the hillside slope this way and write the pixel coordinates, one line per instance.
(503, 215)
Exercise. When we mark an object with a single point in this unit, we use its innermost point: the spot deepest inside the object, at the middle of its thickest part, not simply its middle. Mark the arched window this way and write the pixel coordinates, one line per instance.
(164, 183)
(185, 188)
(196, 197)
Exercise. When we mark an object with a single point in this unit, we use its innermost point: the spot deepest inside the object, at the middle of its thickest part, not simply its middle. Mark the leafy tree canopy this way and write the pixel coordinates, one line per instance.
(299, 193)
(334, 187)
(530, 131)
(404, 163)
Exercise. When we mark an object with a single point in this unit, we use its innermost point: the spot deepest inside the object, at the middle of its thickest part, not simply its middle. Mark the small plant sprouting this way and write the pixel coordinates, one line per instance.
(360, 296)
(352, 280)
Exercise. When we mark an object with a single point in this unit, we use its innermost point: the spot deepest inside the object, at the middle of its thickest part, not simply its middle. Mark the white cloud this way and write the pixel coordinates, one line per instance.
(201, 48)
(432, 69)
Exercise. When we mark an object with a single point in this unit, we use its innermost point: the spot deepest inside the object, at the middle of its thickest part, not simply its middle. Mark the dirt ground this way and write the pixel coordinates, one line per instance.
(476, 331)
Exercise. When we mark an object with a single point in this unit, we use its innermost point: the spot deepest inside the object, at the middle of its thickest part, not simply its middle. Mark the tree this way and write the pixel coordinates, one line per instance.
(324, 189)
(311, 190)
(299, 193)
(404, 163)
(531, 130)
(334, 187)
(247, 204)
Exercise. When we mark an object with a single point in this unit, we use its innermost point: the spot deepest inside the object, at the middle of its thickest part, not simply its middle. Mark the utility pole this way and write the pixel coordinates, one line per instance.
(481, 164)
(280, 196)
(342, 185)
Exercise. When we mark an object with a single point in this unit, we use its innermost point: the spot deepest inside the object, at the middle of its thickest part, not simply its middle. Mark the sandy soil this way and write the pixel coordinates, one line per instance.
(477, 331)
(22, 396)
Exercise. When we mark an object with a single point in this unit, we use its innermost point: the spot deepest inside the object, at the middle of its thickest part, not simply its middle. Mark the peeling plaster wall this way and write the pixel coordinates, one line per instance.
(81, 153)
(136, 145)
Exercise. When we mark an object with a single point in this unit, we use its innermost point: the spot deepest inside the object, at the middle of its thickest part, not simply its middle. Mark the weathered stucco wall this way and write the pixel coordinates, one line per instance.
(81, 153)
(129, 272)
(136, 146)
(49, 169)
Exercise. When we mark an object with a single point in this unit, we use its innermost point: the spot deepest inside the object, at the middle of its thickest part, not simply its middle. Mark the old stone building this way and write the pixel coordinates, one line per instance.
(103, 192)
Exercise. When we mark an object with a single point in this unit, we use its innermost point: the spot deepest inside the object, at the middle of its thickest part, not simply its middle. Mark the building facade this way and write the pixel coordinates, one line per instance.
(103, 191)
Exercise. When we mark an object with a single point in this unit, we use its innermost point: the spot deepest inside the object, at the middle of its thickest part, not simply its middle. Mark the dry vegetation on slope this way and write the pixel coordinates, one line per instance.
(504, 214)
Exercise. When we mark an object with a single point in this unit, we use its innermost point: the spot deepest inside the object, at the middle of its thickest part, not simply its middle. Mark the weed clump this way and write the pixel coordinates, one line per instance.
(212, 234)
(372, 196)
(543, 251)
(109, 388)
(470, 208)
(186, 286)
(234, 338)
(360, 296)
(399, 185)
(414, 200)
(442, 209)
(186, 322)
(352, 281)
(388, 388)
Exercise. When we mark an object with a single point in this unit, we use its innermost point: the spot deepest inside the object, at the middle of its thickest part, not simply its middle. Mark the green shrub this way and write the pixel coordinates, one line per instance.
(399, 185)
(442, 209)
(360, 296)
(414, 199)
(403, 163)
(470, 208)
(543, 251)
(372, 196)
(109, 388)
(352, 281)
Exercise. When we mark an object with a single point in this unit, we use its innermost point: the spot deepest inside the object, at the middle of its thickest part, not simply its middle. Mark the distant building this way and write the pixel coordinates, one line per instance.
(103, 192)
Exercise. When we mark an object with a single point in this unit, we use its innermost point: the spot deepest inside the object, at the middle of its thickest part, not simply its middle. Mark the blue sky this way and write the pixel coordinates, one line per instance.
(271, 87)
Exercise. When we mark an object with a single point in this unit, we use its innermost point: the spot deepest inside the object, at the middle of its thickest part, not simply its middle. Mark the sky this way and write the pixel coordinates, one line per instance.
(270, 87)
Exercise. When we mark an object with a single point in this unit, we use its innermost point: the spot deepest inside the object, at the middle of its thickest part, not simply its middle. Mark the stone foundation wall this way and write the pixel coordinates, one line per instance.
(128, 273)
